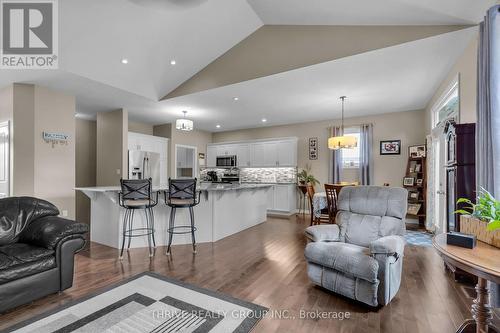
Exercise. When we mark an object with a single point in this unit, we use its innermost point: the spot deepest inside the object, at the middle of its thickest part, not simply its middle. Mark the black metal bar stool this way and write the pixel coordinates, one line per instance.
(137, 194)
(181, 194)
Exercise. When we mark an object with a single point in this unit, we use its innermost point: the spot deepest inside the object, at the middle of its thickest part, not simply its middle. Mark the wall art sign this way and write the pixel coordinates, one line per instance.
(55, 138)
(313, 148)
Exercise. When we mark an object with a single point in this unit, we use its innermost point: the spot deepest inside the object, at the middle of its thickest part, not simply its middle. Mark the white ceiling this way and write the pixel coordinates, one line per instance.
(398, 78)
(95, 35)
(370, 12)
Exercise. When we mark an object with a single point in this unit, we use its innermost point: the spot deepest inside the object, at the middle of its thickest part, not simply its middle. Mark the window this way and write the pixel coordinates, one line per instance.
(350, 157)
(447, 106)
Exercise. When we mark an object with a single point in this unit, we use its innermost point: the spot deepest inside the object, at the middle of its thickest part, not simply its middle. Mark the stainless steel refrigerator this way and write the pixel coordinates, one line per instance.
(143, 165)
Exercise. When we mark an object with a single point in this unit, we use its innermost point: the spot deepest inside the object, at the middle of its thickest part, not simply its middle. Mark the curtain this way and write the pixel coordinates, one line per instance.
(335, 165)
(366, 154)
(488, 112)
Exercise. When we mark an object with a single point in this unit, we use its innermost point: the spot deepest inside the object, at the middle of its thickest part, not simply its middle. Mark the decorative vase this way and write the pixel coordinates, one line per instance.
(474, 226)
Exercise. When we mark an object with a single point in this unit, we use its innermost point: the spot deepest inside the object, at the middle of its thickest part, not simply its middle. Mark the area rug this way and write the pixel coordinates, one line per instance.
(418, 238)
(149, 302)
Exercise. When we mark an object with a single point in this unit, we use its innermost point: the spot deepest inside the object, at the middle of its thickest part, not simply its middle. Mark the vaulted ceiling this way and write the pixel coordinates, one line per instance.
(279, 56)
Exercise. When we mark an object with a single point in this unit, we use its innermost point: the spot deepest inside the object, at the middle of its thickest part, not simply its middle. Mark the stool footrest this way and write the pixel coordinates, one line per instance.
(188, 231)
(146, 232)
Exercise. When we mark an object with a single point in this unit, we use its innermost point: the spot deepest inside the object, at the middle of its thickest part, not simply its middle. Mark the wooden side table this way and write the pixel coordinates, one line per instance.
(482, 261)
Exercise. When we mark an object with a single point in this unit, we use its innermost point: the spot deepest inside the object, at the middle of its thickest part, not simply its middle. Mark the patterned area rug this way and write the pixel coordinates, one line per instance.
(149, 302)
(418, 238)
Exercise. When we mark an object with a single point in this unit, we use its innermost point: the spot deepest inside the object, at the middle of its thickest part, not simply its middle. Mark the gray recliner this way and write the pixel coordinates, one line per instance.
(361, 256)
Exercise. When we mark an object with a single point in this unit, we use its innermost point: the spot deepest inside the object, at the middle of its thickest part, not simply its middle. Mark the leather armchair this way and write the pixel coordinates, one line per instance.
(36, 250)
(361, 257)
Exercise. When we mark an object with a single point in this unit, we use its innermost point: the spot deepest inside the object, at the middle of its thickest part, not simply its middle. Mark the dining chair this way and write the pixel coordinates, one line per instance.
(323, 218)
(332, 192)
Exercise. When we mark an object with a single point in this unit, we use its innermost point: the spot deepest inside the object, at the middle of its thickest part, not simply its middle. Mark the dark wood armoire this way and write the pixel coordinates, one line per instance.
(460, 169)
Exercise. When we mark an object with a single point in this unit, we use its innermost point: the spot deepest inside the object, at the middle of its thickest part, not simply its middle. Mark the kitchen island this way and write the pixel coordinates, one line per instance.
(224, 209)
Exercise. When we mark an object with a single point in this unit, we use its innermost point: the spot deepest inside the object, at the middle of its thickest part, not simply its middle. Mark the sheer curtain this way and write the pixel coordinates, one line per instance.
(488, 112)
(366, 154)
(335, 165)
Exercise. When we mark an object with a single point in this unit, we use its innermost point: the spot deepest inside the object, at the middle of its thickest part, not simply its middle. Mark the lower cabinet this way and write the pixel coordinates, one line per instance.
(281, 199)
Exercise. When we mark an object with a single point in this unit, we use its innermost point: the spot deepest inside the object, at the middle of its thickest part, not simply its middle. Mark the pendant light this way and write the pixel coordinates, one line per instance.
(184, 124)
(342, 141)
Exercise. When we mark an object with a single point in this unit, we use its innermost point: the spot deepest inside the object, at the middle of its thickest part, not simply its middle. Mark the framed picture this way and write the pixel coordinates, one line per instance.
(420, 182)
(390, 147)
(413, 195)
(413, 209)
(313, 148)
(416, 151)
(408, 181)
(418, 167)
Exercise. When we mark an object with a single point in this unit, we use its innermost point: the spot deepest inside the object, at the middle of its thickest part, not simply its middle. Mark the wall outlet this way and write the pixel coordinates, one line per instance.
(65, 213)
(118, 171)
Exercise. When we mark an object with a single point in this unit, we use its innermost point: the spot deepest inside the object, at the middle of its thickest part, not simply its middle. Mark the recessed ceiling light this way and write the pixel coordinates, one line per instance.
(172, 62)
(124, 61)
(264, 120)
(218, 126)
(235, 98)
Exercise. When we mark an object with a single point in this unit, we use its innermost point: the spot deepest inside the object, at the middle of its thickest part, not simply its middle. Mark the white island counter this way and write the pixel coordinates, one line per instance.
(224, 210)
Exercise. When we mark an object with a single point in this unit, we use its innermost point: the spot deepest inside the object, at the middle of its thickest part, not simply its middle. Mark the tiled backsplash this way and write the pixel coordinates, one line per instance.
(260, 175)
(268, 175)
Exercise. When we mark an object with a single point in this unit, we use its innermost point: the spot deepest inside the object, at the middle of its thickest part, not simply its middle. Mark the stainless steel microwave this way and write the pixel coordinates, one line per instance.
(226, 161)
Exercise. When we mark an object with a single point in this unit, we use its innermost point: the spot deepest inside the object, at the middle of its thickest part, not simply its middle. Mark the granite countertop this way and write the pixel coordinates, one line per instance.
(163, 187)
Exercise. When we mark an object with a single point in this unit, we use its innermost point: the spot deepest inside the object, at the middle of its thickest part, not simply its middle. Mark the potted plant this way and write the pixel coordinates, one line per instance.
(481, 219)
(305, 177)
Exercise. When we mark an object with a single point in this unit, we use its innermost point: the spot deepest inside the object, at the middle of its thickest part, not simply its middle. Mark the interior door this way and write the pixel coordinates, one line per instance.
(4, 160)
(438, 190)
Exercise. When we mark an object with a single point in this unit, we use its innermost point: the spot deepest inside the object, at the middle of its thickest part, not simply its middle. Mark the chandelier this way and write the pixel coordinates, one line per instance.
(184, 124)
(342, 141)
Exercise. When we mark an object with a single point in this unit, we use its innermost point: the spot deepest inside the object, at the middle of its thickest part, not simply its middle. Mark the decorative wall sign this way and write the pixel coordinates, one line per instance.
(390, 147)
(313, 148)
(55, 138)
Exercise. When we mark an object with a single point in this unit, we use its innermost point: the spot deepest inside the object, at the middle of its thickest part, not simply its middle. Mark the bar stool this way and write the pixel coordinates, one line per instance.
(137, 194)
(181, 194)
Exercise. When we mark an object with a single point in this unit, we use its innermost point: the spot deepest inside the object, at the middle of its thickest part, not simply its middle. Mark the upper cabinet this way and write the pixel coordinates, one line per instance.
(261, 153)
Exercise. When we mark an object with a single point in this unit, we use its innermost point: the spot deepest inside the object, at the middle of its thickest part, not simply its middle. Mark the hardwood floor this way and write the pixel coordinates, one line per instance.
(265, 265)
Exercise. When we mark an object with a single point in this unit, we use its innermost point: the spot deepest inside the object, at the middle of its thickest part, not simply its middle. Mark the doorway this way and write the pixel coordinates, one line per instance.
(186, 161)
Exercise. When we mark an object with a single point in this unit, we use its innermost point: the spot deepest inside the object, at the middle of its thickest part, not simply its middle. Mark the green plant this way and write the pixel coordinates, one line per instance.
(304, 176)
(487, 209)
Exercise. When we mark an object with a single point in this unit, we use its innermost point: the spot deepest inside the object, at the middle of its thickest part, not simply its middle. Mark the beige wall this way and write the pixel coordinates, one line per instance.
(38, 168)
(54, 165)
(466, 68)
(112, 144)
(195, 138)
(86, 145)
(137, 127)
(405, 126)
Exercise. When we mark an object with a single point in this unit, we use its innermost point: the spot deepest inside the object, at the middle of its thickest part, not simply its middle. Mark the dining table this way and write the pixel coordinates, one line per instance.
(320, 202)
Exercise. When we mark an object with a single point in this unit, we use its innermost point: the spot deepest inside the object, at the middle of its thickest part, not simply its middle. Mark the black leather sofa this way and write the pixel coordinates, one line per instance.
(36, 250)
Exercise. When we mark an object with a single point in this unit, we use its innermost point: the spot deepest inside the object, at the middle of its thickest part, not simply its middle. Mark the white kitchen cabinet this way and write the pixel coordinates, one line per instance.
(270, 198)
(211, 156)
(281, 199)
(287, 153)
(271, 154)
(243, 155)
(260, 153)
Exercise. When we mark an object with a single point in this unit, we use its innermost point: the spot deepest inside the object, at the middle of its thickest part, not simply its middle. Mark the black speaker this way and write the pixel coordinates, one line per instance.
(460, 239)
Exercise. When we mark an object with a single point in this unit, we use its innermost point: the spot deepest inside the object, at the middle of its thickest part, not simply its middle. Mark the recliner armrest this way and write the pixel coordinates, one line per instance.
(323, 233)
(389, 245)
(49, 231)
